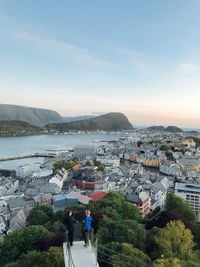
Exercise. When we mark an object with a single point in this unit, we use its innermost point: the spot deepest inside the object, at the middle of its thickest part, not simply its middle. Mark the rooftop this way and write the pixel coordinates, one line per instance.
(187, 187)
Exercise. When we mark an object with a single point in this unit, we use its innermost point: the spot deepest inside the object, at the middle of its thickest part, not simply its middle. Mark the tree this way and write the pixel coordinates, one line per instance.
(53, 257)
(56, 257)
(122, 231)
(180, 207)
(173, 262)
(99, 165)
(19, 241)
(115, 207)
(40, 215)
(65, 164)
(175, 241)
(165, 147)
(130, 256)
(37, 217)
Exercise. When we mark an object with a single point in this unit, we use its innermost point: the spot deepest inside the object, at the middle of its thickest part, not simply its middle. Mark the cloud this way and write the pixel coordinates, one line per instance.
(75, 52)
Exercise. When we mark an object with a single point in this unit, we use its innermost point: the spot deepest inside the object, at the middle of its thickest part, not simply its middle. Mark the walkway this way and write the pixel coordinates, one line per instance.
(81, 256)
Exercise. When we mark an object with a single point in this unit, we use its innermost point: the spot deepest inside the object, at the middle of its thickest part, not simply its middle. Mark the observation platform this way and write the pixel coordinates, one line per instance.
(80, 256)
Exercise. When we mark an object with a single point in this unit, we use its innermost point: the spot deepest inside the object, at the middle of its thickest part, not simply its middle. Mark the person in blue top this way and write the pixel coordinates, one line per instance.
(87, 227)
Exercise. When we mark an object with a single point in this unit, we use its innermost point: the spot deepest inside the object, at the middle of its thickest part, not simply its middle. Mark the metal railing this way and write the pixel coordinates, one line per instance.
(93, 246)
(69, 262)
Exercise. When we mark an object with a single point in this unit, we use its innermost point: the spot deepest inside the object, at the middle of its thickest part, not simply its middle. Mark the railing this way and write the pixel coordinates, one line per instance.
(93, 247)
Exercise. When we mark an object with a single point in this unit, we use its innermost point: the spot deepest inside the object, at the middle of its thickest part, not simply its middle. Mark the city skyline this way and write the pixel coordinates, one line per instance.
(78, 58)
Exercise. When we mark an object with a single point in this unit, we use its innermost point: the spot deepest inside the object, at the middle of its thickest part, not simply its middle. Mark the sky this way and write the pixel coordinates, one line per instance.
(141, 58)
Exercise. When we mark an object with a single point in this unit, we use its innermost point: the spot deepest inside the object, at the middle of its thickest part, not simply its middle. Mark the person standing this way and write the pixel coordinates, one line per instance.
(69, 222)
(87, 227)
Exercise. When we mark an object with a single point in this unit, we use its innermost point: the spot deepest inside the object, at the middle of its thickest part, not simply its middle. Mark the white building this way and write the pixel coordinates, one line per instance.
(8, 186)
(109, 160)
(2, 225)
(170, 168)
(190, 193)
(24, 171)
(136, 169)
(158, 193)
(59, 179)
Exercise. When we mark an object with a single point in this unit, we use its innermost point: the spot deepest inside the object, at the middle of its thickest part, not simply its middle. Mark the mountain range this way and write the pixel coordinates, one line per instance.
(35, 116)
(109, 122)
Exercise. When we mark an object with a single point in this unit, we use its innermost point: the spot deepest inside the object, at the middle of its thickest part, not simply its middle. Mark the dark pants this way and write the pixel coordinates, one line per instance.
(70, 237)
(86, 237)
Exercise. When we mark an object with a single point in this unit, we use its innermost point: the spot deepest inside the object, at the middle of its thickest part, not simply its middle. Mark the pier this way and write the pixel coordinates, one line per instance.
(34, 155)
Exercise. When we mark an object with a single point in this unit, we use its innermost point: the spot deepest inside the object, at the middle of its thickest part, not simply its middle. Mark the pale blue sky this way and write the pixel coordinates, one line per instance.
(141, 58)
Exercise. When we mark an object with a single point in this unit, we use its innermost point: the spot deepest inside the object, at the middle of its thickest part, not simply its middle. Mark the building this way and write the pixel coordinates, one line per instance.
(3, 225)
(8, 173)
(18, 221)
(158, 193)
(62, 201)
(136, 169)
(98, 195)
(59, 179)
(8, 186)
(141, 199)
(113, 161)
(189, 143)
(188, 164)
(151, 162)
(24, 171)
(190, 193)
(85, 152)
(86, 178)
(170, 168)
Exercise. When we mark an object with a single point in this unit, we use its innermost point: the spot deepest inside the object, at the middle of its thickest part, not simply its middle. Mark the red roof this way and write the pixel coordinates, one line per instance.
(97, 196)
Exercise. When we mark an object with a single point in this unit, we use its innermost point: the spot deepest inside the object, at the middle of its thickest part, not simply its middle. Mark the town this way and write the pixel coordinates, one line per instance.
(143, 165)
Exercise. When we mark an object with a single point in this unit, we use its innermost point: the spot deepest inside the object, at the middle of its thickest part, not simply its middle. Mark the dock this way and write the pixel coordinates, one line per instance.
(34, 155)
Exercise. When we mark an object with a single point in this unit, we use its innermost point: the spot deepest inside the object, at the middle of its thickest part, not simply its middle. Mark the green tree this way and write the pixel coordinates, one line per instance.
(115, 207)
(65, 164)
(165, 147)
(175, 241)
(53, 257)
(122, 231)
(130, 256)
(56, 257)
(99, 165)
(19, 241)
(40, 215)
(180, 207)
(37, 217)
(173, 262)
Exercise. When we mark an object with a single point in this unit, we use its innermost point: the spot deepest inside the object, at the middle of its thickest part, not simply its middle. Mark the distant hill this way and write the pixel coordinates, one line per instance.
(10, 128)
(172, 129)
(156, 128)
(77, 118)
(36, 116)
(108, 122)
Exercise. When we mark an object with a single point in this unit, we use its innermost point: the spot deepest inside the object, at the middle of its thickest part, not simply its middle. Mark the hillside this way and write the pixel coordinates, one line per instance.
(77, 118)
(10, 128)
(108, 122)
(172, 129)
(36, 116)
(156, 128)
